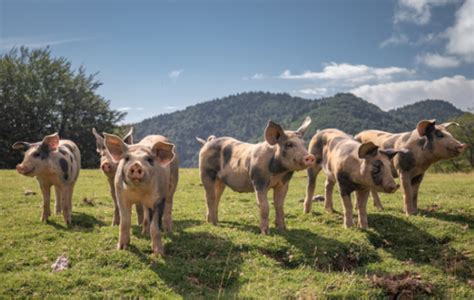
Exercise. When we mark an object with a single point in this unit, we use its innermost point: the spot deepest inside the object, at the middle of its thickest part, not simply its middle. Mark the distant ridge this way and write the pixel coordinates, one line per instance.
(244, 116)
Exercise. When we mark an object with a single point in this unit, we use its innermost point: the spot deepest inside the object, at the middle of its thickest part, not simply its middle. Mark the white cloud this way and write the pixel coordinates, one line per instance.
(125, 108)
(348, 73)
(398, 39)
(461, 35)
(435, 60)
(175, 74)
(416, 11)
(256, 76)
(36, 42)
(457, 89)
(317, 91)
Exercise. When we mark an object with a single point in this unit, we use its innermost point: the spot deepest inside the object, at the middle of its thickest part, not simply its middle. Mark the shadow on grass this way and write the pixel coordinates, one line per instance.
(408, 243)
(197, 264)
(80, 222)
(444, 216)
(312, 250)
(178, 225)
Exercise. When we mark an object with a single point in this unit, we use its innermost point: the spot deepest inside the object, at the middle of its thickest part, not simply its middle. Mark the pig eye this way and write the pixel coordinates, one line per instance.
(149, 160)
(439, 134)
(377, 167)
(127, 158)
(289, 145)
(36, 154)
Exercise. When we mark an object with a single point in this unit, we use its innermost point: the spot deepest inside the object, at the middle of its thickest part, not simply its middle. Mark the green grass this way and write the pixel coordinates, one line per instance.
(315, 257)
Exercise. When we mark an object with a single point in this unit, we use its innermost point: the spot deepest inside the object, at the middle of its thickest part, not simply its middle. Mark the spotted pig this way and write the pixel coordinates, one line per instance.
(255, 168)
(53, 162)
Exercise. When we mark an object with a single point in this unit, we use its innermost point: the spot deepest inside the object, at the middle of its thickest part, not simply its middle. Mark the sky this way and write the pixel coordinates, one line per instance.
(156, 57)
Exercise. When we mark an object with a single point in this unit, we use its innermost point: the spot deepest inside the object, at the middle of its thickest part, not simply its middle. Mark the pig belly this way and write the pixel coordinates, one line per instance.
(237, 181)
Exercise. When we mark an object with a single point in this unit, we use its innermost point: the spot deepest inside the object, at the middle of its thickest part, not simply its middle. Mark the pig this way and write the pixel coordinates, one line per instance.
(147, 174)
(54, 162)
(355, 167)
(255, 168)
(109, 168)
(427, 144)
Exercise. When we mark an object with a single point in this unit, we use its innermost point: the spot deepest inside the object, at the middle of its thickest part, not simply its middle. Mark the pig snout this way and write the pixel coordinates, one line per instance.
(106, 167)
(392, 188)
(23, 170)
(136, 172)
(461, 148)
(309, 160)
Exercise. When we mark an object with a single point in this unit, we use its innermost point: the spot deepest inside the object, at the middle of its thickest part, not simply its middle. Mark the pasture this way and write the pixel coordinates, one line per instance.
(315, 257)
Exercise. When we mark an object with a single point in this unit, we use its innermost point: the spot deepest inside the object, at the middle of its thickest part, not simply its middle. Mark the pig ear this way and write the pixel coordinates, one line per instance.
(99, 140)
(52, 141)
(273, 133)
(304, 126)
(211, 137)
(367, 149)
(425, 127)
(164, 152)
(128, 138)
(448, 124)
(200, 141)
(23, 146)
(115, 146)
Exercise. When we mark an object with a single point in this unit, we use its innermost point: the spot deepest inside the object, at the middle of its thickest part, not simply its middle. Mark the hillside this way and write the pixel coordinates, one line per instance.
(245, 115)
(427, 109)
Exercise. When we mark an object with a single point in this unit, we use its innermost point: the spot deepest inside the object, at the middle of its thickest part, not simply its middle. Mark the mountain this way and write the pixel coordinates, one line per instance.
(244, 117)
(427, 109)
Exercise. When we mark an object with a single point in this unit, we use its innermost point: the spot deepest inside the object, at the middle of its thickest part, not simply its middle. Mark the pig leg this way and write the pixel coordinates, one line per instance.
(407, 194)
(58, 203)
(347, 205)
(376, 198)
(139, 209)
(46, 191)
(146, 221)
(362, 197)
(125, 220)
(210, 188)
(66, 194)
(416, 182)
(167, 217)
(312, 175)
(219, 190)
(279, 194)
(329, 187)
(262, 202)
(116, 219)
(155, 235)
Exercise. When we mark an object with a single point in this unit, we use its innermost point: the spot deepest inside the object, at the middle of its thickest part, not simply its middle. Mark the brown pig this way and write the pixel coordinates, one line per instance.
(53, 162)
(354, 166)
(147, 174)
(255, 168)
(427, 144)
(109, 168)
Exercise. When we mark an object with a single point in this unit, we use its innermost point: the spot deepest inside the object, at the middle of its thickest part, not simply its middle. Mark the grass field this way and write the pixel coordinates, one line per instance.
(315, 257)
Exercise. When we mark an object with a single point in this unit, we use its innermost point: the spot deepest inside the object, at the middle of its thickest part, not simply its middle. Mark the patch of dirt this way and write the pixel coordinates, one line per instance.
(402, 286)
(62, 263)
(433, 207)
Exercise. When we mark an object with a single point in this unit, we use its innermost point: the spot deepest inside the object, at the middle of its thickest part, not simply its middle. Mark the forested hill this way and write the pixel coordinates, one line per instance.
(245, 115)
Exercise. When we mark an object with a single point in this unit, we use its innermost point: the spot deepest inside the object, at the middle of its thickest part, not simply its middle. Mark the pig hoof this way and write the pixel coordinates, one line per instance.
(329, 210)
(281, 228)
(265, 231)
(159, 251)
(379, 208)
(121, 246)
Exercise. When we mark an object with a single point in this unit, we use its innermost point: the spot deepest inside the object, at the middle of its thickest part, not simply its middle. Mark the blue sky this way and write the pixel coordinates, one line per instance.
(159, 56)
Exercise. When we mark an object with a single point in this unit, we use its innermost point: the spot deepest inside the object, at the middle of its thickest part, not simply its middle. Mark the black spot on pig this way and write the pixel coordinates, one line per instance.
(43, 151)
(417, 179)
(377, 172)
(346, 185)
(238, 162)
(64, 167)
(275, 166)
(211, 173)
(259, 180)
(71, 148)
(62, 151)
(227, 153)
(287, 177)
(406, 161)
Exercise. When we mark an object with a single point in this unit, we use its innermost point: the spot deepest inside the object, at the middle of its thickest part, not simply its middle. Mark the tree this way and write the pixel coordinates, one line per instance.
(40, 95)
